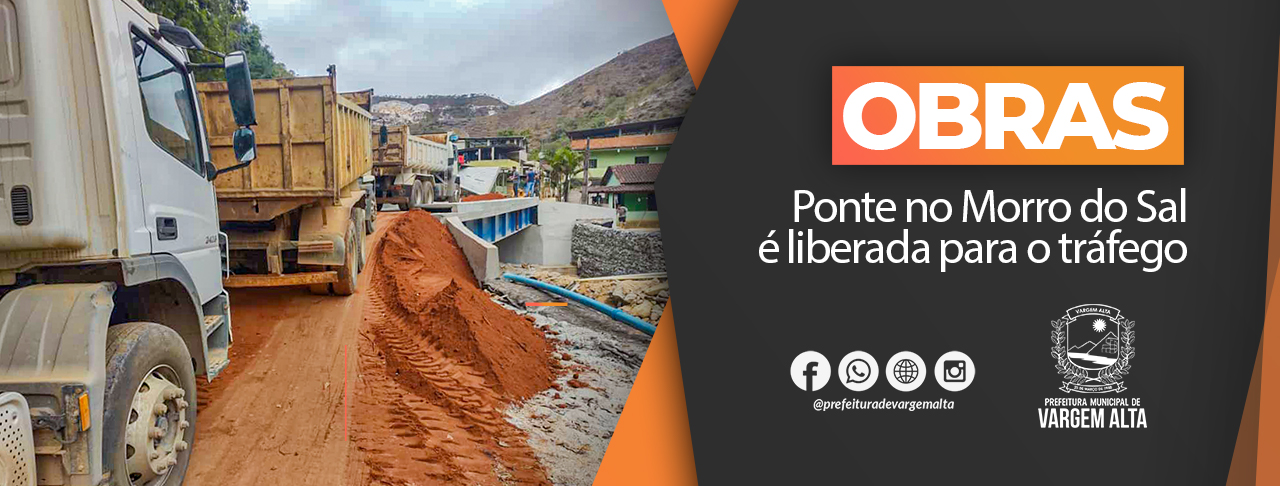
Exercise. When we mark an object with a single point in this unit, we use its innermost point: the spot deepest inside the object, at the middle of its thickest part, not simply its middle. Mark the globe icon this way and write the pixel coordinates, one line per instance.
(905, 371)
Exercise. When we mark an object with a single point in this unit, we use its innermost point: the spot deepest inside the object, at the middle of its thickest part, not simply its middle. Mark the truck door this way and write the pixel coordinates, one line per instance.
(181, 207)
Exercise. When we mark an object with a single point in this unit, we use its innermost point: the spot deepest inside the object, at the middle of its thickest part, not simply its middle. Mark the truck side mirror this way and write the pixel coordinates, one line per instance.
(246, 148)
(240, 92)
(382, 136)
(240, 89)
(245, 145)
(210, 171)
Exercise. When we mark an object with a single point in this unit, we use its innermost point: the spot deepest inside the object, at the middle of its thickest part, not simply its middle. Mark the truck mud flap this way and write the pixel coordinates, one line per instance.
(327, 223)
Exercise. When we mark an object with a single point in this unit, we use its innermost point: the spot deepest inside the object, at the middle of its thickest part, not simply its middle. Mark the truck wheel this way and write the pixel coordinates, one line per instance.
(413, 197)
(419, 193)
(148, 423)
(428, 193)
(348, 273)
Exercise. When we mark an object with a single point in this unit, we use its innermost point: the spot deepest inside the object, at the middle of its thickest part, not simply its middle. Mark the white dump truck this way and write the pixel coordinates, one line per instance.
(111, 257)
(413, 170)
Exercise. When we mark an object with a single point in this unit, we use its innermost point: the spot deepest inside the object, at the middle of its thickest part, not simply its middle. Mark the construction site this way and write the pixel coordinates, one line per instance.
(426, 375)
(263, 286)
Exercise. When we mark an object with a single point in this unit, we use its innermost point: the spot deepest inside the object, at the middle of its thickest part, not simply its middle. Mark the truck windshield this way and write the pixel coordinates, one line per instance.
(167, 104)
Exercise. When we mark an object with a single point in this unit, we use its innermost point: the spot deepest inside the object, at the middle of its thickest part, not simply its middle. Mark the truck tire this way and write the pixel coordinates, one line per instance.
(150, 405)
(428, 192)
(348, 274)
(413, 197)
(418, 193)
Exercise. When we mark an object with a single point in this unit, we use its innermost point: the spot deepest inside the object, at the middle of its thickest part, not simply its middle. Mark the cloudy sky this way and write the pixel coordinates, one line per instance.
(515, 49)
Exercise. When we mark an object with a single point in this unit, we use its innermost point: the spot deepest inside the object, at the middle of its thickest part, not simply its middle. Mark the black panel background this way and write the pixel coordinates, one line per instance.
(759, 128)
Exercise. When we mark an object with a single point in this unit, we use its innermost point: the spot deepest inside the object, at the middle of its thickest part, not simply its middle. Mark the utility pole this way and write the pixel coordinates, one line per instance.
(586, 171)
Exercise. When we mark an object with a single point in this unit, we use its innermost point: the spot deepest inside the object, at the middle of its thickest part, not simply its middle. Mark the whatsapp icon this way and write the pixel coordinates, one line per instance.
(858, 371)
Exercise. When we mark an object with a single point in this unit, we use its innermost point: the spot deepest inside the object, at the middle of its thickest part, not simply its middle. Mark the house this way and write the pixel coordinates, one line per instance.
(509, 154)
(493, 151)
(631, 185)
(645, 142)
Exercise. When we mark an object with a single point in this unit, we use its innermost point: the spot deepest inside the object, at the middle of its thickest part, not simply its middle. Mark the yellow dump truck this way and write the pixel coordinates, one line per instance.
(297, 214)
(411, 170)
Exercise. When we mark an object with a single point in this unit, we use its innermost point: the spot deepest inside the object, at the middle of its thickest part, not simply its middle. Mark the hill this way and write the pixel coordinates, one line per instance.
(1089, 347)
(435, 112)
(647, 82)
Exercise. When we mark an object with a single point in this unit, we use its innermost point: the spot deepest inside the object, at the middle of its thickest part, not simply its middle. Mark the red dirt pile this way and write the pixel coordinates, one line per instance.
(484, 197)
(432, 282)
(439, 362)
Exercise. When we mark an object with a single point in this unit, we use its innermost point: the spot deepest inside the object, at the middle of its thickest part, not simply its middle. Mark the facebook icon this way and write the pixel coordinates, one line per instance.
(810, 371)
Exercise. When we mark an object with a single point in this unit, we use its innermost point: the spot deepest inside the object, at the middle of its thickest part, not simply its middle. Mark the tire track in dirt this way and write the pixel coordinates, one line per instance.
(275, 416)
(438, 364)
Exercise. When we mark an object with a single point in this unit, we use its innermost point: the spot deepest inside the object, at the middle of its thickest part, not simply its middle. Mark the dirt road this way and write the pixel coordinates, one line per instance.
(280, 414)
(276, 416)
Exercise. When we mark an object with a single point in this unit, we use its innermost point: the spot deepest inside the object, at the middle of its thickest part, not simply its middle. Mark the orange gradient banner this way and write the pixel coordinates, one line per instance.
(1112, 115)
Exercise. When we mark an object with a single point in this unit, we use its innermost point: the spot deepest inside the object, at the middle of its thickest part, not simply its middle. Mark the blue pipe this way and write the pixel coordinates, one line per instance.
(629, 319)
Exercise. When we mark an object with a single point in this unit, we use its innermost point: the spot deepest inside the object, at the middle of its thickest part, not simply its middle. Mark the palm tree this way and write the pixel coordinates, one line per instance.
(565, 164)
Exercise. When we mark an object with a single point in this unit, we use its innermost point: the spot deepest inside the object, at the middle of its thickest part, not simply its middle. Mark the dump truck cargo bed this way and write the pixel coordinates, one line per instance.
(297, 214)
(406, 151)
(312, 142)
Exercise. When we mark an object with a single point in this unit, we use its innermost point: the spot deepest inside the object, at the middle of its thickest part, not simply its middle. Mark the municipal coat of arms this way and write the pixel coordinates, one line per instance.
(1093, 347)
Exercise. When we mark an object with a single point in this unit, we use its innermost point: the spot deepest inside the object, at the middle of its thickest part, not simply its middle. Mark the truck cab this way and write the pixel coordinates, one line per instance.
(111, 258)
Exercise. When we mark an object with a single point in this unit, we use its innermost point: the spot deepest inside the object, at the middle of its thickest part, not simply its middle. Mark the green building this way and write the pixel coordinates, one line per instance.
(631, 185)
(645, 142)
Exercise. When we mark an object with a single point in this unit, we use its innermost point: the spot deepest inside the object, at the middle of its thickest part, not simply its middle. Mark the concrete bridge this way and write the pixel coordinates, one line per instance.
(514, 230)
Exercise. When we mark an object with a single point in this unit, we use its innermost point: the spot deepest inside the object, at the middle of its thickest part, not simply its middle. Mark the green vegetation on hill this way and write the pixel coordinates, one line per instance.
(222, 26)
